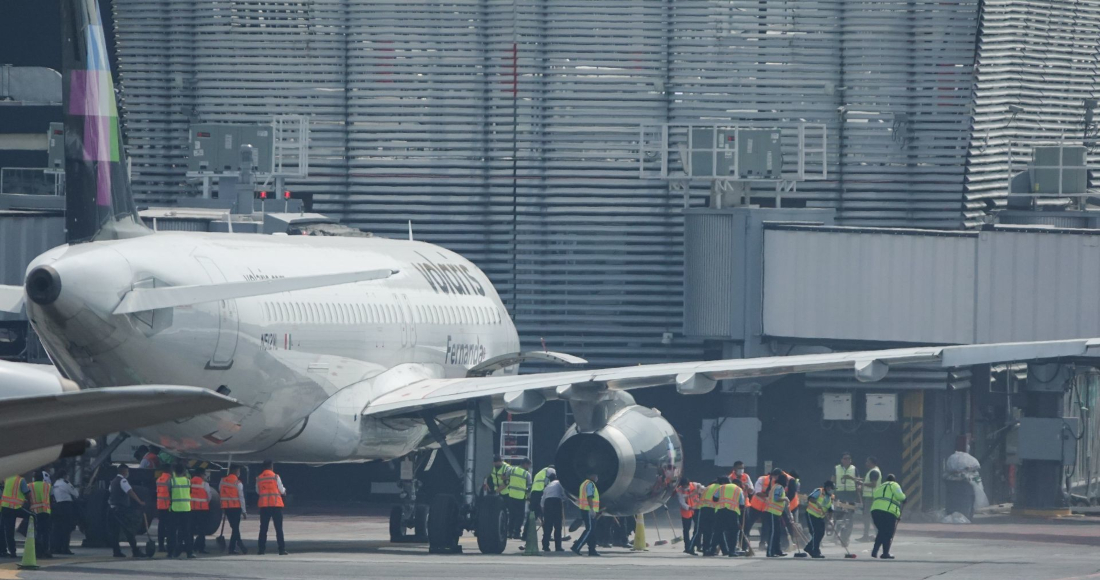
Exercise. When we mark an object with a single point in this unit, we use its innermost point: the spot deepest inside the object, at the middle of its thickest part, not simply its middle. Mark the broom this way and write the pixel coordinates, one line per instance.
(656, 526)
(675, 539)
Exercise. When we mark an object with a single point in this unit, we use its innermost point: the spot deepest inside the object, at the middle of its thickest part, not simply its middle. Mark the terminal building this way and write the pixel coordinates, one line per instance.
(663, 180)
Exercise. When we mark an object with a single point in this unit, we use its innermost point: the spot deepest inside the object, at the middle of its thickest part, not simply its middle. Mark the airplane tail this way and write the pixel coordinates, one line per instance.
(99, 203)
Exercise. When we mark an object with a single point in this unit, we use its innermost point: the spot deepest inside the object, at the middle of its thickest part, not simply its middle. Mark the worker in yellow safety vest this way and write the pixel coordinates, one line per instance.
(819, 506)
(231, 491)
(708, 504)
(179, 488)
(40, 509)
(886, 511)
(498, 480)
(776, 503)
(11, 507)
(519, 482)
(868, 484)
(727, 518)
(588, 500)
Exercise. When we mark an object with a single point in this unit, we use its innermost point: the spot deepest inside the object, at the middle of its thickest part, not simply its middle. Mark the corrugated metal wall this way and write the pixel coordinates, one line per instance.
(508, 129)
(1042, 57)
(25, 235)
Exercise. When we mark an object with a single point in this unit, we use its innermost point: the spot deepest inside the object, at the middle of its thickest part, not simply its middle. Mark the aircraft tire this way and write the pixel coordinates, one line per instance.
(443, 525)
(420, 523)
(492, 525)
(397, 524)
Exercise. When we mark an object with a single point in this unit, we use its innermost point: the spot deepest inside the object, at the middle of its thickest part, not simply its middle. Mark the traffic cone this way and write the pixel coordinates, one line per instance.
(532, 548)
(30, 562)
(639, 535)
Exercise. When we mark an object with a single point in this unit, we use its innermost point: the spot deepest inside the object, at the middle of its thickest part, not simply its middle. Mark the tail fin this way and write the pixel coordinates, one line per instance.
(99, 204)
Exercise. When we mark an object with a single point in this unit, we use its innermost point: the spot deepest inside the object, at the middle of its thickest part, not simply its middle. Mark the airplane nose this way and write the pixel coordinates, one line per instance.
(43, 285)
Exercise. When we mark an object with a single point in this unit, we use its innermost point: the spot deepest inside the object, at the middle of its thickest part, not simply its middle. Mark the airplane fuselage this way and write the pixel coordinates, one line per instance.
(303, 364)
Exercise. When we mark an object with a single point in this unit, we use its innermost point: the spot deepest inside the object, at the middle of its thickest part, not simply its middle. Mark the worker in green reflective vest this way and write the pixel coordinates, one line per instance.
(886, 511)
(180, 510)
(519, 483)
(868, 484)
(534, 502)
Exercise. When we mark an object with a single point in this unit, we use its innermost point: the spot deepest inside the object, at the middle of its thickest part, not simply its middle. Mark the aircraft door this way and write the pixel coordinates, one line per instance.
(228, 321)
(410, 321)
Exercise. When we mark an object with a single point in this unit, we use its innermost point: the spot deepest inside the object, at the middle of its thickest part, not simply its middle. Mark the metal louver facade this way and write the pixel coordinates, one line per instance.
(508, 130)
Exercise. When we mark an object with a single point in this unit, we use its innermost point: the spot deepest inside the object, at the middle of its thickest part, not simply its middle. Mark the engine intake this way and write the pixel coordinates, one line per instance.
(636, 455)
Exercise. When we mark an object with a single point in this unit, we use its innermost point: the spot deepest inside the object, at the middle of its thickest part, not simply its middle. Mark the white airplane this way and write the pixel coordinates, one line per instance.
(346, 349)
(44, 417)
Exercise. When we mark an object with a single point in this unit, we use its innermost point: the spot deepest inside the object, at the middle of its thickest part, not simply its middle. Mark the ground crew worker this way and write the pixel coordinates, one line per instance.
(687, 493)
(519, 481)
(11, 505)
(64, 513)
(120, 498)
(886, 511)
(741, 478)
(727, 518)
(757, 511)
(200, 508)
(151, 460)
(179, 487)
(553, 512)
(846, 479)
(704, 530)
(497, 477)
(868, 484)
(776, 504)
(588, 499)
(40, 509)
(164, 504)
(270, 488)
(819, 506)
(231, 491)
(538, 484)
(794, 486)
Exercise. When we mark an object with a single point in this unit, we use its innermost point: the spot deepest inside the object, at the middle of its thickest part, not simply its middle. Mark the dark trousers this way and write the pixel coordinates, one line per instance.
(7, 524)
(198, 529)
(552, 518)
(42, 523)
(817, 532)
(725, 532)
(64, 514)
(118, 521)
(867, 501)
(703, 530)
(179, 538)
(515, 516)
(756, 515)
(588, 538)
(775, 543)
(233, 516)
(269, 515)
(163, 529)
(689, 524)
(886, 523)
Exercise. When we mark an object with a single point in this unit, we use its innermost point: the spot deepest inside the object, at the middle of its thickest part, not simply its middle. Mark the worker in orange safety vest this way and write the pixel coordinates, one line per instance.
(200, 507)
(687, 493)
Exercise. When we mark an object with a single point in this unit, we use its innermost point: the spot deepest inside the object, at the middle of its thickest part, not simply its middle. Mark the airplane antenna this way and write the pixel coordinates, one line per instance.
(410, 230)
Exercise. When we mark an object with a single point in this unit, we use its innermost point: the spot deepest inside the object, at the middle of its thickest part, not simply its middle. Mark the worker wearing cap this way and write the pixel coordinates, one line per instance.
(777, 503)
(819, 506)
(40, 509)
(886, 511)
(588, 500)
(270, 488)
(231, 492)
(519, 482)
(867, 485)
(179, 488)
(687, 494)
(553, 512)
(200, 507)
(121, 498)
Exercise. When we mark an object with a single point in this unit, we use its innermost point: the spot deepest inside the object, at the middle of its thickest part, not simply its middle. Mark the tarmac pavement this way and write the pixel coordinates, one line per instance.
(354, 546)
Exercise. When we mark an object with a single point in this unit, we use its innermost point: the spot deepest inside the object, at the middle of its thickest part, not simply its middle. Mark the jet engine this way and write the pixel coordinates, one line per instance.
(636, 455)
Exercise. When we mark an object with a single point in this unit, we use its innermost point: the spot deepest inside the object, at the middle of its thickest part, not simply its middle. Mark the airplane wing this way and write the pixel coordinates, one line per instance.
(700, 377)
(11, 298)
(35, 422)
(142, 299)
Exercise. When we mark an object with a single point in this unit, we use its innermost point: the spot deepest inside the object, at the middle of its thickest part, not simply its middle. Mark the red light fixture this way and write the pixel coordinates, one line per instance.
(286, 195)
(263, 195)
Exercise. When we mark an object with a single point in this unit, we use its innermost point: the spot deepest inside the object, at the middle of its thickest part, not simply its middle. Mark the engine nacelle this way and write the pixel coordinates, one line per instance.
(636, 454)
